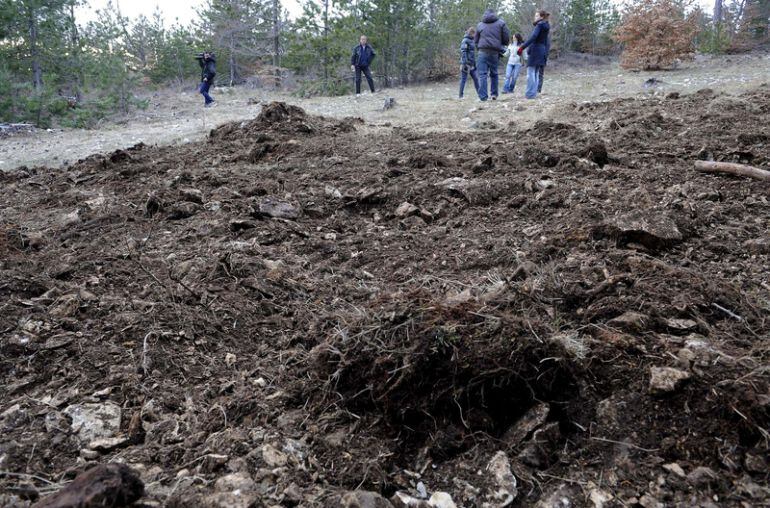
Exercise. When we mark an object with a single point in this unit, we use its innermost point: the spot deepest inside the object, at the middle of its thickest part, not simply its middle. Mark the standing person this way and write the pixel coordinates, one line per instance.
(468, 60)
(492, 36)
(514, 63)
(538, 51)
(541, 74)
(208, 64)
(363, 55)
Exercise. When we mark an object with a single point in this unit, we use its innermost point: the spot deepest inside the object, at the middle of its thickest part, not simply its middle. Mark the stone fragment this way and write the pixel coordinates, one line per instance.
(94, 421)
(364, 499)
(272, 207)
(666, 379)
(651, 229)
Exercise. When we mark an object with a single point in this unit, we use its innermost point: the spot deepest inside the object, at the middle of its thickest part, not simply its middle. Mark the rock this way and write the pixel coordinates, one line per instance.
(441, 500)
(675, 468)
(404, 500)
(758, 245)
(364, 499)
(600, 498)
(213, 462)
(104, 485)
(65, 306)
(421, 490)
(234, 482)
(484, 125)
(94, 421)
(646, 228)
(560, 498)
(527, 424)
(406, 209)
(647, 501)
(702, 476)
(537, 452)
(292, 495)
(332, 192)
(666, 379)
(191, 195)
(506, 485)
(108, 444)
(272, 207)
(70, 219)
(183, 210)
(274, 457)
(454, 298)
(681, 324)
(630, 321)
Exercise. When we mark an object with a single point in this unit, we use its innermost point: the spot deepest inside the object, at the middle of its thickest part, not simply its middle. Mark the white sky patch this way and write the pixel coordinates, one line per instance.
(172, 12)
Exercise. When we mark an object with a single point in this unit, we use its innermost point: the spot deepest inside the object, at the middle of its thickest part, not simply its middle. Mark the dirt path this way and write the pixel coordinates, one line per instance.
(175, 118)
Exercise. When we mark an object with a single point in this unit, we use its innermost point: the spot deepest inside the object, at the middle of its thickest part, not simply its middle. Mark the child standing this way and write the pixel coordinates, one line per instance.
(514, 63)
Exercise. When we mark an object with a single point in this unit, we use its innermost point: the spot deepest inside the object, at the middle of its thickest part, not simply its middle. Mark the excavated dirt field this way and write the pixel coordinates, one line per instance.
(300, 307)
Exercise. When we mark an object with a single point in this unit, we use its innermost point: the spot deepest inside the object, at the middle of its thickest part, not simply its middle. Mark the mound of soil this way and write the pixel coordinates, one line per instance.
(303, 306)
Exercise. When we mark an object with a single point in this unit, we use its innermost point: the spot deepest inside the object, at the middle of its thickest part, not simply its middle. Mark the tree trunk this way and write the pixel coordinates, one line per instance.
(325, 50)
(231, 61)
(717, 13)
(76, 55)
(277, 42)
(34, 50)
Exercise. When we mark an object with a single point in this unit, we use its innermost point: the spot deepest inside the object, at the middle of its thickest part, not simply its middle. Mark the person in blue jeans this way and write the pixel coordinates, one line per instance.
(538, 46)
(207, 61)
(492, 36)
(468, 61)
(514, 63)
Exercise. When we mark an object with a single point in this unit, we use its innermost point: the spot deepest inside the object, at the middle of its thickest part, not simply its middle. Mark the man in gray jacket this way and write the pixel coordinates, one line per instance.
(492, 36)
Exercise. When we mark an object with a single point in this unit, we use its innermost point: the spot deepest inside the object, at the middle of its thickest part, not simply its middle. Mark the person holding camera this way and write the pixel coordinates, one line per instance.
(492, 37)
(468, 61)
(208, 62)
(363, 55)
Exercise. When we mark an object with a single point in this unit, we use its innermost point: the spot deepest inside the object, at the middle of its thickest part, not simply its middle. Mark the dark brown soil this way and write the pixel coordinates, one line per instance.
(265, 304)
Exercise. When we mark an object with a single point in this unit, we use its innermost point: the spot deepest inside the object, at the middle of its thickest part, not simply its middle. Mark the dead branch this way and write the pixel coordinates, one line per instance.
(733, 169)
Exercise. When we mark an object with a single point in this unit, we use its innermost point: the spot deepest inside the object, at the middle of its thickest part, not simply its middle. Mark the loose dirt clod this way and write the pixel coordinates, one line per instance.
(104, 485)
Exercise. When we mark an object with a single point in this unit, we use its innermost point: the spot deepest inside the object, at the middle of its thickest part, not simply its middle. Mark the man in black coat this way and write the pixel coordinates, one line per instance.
(492, 37)
(208, 62)
(363, 55)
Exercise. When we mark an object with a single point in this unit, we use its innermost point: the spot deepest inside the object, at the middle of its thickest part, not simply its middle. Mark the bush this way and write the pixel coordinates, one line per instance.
(655, 34)
(317, 87)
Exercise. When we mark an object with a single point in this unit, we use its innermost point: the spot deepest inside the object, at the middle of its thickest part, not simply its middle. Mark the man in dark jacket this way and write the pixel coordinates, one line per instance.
(208, 62)
(492, 36)
(468, 60)
(538, 45)
(363, 55)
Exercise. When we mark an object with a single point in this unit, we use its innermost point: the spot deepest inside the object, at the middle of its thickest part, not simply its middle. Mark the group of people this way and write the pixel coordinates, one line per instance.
(480, 53)
(484, 45)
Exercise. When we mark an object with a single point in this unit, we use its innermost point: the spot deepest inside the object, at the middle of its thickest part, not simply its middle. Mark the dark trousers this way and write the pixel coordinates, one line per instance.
(464, 71)
(368, 74)
(540, 73)
(203, 89)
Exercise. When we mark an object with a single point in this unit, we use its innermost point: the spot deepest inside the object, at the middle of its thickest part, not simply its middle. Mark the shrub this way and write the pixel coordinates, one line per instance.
(655, 34)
